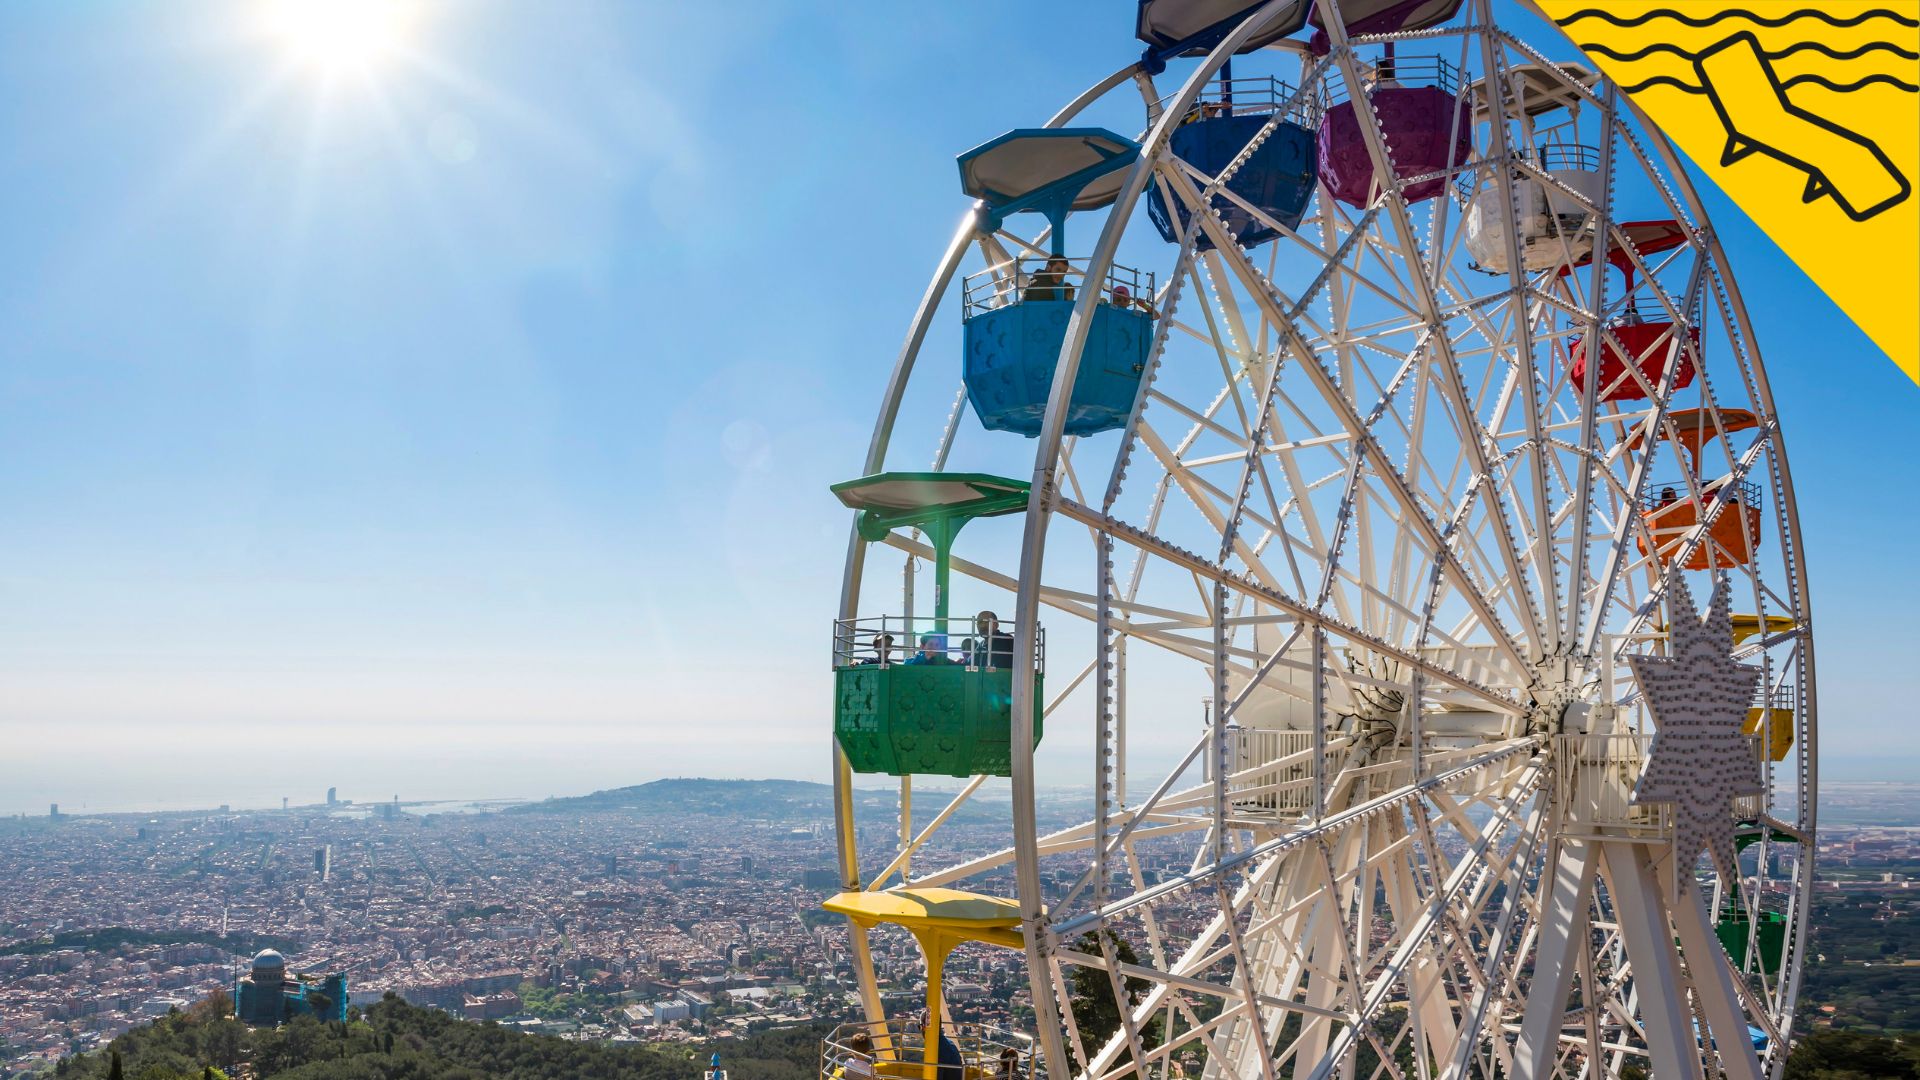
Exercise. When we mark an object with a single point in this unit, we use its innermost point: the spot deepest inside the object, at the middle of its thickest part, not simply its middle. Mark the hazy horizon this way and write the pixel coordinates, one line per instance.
(263, 796)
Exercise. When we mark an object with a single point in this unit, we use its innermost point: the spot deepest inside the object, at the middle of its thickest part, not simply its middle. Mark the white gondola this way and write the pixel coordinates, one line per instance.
(1552, 219)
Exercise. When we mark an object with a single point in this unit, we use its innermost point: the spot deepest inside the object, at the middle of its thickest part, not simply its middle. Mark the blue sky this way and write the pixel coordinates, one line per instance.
(464, 429)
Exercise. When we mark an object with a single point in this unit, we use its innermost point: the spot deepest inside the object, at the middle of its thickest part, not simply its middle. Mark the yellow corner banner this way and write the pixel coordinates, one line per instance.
(1806, 113)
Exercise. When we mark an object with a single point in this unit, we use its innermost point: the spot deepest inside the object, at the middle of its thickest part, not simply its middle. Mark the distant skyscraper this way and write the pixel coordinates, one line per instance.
(333, 796)
(53, 810)
(283, 802)
(323, 861)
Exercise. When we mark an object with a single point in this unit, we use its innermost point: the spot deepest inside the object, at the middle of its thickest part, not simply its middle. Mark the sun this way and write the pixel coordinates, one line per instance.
(340, 34)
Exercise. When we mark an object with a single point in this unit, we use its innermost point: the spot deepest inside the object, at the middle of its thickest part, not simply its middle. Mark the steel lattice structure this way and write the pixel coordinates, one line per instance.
(1420, 571)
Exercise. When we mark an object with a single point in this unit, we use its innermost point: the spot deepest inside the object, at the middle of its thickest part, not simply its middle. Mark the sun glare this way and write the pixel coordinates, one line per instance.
(337, 34)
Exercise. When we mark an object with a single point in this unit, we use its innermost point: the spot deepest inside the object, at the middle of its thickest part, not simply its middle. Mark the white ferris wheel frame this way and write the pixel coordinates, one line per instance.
(1569, 881)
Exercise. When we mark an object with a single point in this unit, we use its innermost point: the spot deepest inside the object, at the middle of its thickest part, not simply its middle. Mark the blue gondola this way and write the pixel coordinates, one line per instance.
(1016, 314)
(1279, 175)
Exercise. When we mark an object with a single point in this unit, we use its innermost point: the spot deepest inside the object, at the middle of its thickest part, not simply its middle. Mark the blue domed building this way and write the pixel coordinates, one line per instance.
(267, 997)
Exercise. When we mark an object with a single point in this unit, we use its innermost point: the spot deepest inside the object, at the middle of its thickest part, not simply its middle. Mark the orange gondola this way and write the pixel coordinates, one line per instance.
(1672, 510)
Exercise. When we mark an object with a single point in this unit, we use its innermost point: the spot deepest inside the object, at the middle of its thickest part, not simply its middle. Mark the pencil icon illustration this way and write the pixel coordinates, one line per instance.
(1753, 106)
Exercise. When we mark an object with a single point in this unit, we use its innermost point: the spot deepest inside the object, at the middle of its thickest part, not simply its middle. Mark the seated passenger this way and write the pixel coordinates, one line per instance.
(1009, 1068)
(1667, 497)
(933, 650)
(882, 651)
(952, 1065)
(991, 648)
(859, 1062)
(1050, 283)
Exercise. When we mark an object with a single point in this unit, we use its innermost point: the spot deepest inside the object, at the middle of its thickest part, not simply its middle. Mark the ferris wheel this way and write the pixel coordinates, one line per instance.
(1401, 665)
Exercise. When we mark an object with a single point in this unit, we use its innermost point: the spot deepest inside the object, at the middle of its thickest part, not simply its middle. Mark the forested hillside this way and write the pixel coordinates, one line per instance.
(392, 1040)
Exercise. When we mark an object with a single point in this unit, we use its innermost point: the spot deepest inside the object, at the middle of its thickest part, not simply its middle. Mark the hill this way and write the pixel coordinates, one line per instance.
(697, 795)
(396, 1041)
(779, 799)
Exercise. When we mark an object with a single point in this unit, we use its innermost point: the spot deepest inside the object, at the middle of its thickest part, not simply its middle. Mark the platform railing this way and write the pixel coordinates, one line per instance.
(1595, 779)
(1561, 157)
(895, 1050)
(1658, 496)
(1751, 806)
(1401, 71)
(1017, 280)
(1597, 773)
(1547, 157)
(889, 640)
(1271, 770)
(1251, 96)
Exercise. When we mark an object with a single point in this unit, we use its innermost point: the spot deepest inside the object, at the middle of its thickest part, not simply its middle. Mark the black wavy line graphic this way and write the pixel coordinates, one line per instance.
(1665, 80)
(1799, 46)
(1758, 20)
(1847, 87)
(1695, 88)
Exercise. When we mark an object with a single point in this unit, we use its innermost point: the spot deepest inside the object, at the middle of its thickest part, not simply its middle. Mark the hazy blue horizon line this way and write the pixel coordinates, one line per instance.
(81, 810)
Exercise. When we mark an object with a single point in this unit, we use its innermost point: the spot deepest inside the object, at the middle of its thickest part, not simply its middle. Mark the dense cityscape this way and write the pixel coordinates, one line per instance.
(675, 911)
(671, 912)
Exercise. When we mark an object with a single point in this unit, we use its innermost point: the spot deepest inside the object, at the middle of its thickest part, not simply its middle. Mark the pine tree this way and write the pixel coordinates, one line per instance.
(116, 1071)
(1095, 1012)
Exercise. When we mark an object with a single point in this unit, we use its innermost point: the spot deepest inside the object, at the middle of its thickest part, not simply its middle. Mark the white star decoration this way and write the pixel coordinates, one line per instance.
(1699, 697)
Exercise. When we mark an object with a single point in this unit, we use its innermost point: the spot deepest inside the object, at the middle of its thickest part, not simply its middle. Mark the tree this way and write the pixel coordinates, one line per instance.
(116, 1071)
(215, 1006)
(1845, 1055)
(1095, 1012)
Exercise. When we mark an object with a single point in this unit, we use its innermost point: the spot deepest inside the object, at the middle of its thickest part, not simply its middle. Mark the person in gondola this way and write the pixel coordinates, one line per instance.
(992, 648)
(1123, 298)
(859, 1061)
(882, 652)
(1667, 497)
(952, 1066)
(1050, 283)
(933, 650)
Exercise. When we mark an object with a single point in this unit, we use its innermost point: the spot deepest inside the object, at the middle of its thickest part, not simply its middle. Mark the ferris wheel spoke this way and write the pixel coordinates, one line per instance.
(1404, 495)
(1493, 58)
(1212, 572)
(1432, 913)
(1427, 302)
